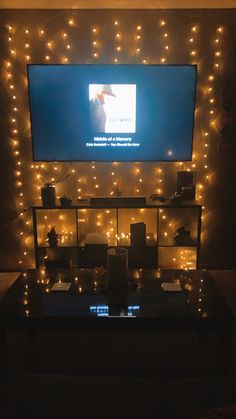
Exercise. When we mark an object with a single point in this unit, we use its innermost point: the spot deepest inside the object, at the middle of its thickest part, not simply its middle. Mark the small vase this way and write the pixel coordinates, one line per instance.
(117, 265)
(48, 194)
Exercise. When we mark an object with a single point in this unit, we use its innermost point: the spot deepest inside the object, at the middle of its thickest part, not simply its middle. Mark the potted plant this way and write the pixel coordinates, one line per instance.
(65, 201)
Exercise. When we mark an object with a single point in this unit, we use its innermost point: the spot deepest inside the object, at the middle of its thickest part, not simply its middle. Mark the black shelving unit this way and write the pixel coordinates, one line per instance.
(139, 257)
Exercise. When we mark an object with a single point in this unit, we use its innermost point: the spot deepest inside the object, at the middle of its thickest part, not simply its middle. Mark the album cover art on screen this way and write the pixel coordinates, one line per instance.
(112, 107)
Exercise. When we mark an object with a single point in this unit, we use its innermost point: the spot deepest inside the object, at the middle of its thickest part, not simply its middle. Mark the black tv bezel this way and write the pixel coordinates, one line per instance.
(112, 65)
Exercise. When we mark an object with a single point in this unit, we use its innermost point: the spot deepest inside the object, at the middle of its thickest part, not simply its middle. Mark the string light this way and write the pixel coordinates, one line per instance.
(15, 142)
(164, 35)
(95, 42)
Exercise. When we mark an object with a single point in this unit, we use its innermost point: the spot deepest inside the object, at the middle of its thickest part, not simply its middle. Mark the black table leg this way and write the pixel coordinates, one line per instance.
(31, 351)
(3, 353)
(224, 350)
(202, 337)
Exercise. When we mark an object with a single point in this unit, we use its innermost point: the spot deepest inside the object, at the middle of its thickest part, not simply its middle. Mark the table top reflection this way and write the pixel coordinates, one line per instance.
(89, 295)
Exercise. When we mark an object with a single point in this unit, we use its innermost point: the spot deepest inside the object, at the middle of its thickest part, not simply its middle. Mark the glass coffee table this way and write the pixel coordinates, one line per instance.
(153, 301)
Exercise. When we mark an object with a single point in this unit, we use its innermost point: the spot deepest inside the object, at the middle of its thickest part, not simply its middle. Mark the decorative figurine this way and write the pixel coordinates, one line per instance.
(52, 237)
(183, 236)
(176, 198)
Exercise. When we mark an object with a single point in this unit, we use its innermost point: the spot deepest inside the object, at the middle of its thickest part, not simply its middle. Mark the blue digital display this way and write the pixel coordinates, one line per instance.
(103, 311)
(112, 112)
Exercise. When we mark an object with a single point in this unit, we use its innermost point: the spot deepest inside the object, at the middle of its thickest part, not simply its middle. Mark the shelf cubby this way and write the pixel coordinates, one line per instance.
(86, 231)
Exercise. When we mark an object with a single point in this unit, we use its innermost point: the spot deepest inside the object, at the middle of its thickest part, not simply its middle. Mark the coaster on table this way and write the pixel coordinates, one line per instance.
(171, 286)
(61, 286)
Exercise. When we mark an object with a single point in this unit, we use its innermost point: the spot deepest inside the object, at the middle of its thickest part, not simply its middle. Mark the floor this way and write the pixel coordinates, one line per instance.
(168, 356)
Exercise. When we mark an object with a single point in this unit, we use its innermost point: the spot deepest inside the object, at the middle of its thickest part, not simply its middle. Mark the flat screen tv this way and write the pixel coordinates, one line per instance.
(112, 112)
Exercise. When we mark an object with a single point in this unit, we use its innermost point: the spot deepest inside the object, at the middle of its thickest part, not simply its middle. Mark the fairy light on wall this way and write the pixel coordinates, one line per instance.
(116, 178)
(193, 53)
(79, 186)
(95, 42)
(209, 132)
(94, 179)
(159, 180)
(192, 42)
(138, 187)
(49, 47)
(165, 41)
(65, 59)
(15, 140)
(138, 42)
(91, 180)
(118, 40)
(118, 48)
(115, 183)
(27, 55)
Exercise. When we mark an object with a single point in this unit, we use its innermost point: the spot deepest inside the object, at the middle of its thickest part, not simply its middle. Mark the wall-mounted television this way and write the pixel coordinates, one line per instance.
(101, 112)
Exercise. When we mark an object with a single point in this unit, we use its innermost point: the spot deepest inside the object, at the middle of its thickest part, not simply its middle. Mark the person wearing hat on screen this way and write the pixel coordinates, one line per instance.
(97, 111)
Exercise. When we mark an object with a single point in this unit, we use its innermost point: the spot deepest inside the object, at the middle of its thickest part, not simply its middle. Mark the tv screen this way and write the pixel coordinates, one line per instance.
(112, 112)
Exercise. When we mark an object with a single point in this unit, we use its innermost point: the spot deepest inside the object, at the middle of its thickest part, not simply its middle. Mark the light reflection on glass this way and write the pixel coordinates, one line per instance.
(103, 310)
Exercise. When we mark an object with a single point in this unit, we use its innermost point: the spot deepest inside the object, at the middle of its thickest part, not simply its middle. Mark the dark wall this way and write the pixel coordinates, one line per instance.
(217, 193)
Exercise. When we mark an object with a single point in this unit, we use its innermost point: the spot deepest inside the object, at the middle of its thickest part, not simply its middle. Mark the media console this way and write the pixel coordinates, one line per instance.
(84, 232)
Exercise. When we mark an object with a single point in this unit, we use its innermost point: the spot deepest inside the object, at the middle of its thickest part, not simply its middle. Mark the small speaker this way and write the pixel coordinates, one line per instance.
(186, 185)
(138, 234)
